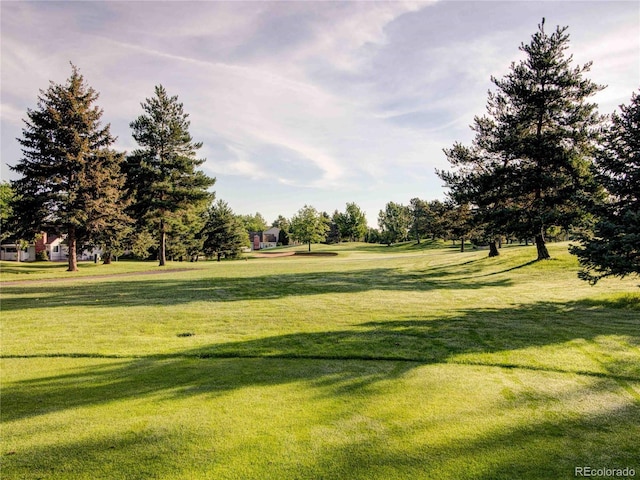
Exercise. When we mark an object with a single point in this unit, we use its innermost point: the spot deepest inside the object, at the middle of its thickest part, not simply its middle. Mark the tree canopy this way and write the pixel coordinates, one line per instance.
(223, 233)
(613, 247)
(528, 168)
(70, 177)
(163, 173)
(309, 226)
(394, 222)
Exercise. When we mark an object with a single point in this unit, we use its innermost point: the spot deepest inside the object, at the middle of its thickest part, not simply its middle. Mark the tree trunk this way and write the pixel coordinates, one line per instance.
(309, 246)
(462, 245)
(493, 248)
(543, 253)
(219, 255)
(162, 256)
(71, 244)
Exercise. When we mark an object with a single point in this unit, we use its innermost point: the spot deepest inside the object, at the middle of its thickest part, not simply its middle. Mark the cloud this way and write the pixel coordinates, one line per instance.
(329, 100)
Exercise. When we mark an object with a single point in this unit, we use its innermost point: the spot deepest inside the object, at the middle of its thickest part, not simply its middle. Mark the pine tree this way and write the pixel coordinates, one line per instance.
(528, 168)
(70, 175)
(162, 173)
(223, 232)
(613, 248)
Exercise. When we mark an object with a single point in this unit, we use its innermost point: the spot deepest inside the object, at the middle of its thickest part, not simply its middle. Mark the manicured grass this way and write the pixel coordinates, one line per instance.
(380, 362)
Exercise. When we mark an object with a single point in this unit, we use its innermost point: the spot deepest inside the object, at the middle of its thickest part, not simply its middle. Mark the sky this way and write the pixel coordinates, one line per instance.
(301, 102)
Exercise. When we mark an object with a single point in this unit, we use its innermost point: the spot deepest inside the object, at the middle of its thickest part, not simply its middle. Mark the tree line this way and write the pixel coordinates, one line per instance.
(543, 162)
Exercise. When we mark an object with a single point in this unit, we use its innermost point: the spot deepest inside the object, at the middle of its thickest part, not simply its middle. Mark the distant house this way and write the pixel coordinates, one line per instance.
(10, 251)
(265, 239)
(54, 245)
(51, 243)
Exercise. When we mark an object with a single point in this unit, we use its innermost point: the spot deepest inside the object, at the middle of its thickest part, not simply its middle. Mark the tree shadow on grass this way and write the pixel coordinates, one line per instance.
(541, 441)
(576, 338)
(166, 291)
(355, 366)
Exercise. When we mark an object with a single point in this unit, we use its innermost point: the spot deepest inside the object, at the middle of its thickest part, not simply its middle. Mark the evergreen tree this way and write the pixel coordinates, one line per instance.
(613, 248)
(162, 173)
(285, 226)
(459, 220)
(70, 176)
(309, 226)
(528, 168)
(223, 232)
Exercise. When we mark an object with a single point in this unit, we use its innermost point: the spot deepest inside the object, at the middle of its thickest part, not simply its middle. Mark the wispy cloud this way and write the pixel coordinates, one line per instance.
(330, 101)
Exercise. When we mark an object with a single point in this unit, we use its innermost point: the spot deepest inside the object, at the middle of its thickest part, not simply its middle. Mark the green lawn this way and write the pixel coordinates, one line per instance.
(401, 362)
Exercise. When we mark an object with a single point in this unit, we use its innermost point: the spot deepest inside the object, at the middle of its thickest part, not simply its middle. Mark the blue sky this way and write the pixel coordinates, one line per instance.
(318, 103)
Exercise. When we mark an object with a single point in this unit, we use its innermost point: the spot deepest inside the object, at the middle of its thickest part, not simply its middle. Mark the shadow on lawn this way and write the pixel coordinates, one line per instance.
(167, 291)
(548, 445)
(347, 365)
(598, 341)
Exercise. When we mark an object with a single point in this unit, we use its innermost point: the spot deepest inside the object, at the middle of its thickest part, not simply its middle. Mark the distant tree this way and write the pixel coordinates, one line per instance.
(459, 221)
(373, 236)
(437, 219)
(254, 223)
(352, 223)
(142, 243)
(71, 177)
(185, 239)
(333, 232)
(394, 222)
(528, 168)
(163, 172)
(613, 248)
(420, 218)
(6, 209)
(224, 233)
(309, 226)
(285, 226)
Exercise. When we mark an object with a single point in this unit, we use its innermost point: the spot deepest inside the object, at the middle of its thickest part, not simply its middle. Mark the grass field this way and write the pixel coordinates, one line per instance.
(404, 362)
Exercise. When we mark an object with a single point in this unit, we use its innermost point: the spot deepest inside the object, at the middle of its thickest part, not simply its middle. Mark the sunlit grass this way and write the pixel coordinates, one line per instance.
(381, 362)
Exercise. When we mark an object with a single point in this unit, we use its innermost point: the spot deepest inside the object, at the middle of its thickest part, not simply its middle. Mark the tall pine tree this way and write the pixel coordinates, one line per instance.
(70, 175)
(613, 247)
(162, 174)
(528, 168)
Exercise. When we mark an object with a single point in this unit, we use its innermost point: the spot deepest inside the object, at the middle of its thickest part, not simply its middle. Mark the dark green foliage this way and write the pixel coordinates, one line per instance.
(352, 224)
(162, 174)
(224, 233)
(284, 225)
(528, 168)
(71, 178)
(460, 222)
(613, 248)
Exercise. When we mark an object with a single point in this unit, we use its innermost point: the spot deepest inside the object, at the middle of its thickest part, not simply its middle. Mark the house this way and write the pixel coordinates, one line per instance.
(53, 244)
(9, 251)
(265, 239)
